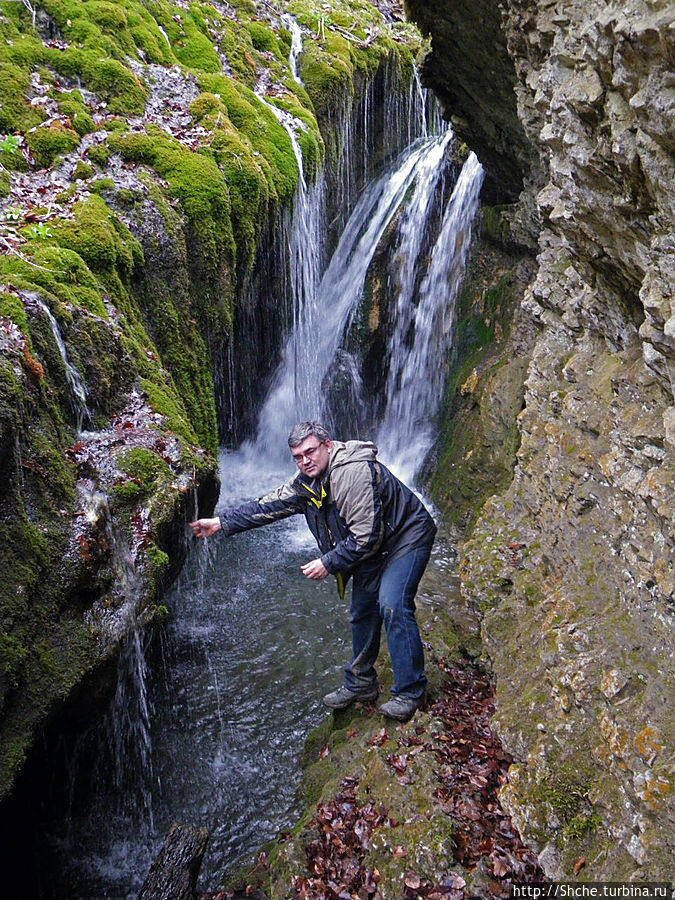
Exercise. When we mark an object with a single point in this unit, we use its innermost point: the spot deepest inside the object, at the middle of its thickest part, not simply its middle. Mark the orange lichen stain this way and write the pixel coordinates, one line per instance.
(617, 737)
(656, 791)
(648, 743)
(35, 367)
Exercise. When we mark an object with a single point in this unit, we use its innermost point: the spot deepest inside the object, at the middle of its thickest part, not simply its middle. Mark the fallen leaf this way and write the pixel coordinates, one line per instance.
(579, 864)
(380, 738)
(413, 881)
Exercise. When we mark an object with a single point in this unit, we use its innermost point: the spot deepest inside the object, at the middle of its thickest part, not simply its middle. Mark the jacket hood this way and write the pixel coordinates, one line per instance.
(343, 453)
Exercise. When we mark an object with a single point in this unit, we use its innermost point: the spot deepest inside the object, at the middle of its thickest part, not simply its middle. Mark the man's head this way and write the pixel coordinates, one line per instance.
(310, 444)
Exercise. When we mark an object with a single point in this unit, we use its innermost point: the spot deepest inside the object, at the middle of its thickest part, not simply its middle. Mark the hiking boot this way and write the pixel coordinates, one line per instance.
(401, 708)
(344, 696)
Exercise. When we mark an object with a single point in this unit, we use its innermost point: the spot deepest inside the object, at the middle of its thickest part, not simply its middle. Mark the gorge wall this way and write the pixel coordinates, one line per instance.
(572, 565)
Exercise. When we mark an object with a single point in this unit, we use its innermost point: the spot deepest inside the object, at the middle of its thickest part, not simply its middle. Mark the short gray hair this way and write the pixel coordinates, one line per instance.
(304, 429)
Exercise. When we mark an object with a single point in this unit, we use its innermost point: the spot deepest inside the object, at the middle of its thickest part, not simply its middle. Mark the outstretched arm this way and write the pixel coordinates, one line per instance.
(205, 527)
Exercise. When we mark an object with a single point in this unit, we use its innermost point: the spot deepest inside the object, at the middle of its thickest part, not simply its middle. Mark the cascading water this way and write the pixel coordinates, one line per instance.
(325, 316)
(296, 44)
(417, 367)
(252, 645)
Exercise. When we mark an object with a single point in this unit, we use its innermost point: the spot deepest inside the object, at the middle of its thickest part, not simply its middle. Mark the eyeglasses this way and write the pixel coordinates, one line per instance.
(308, 454)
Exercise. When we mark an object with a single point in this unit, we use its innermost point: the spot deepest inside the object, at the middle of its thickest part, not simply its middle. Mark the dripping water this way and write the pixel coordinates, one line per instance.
(76, 385)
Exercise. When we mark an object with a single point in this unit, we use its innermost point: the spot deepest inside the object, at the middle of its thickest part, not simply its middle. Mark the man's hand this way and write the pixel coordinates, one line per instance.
(315, 569)
(205, 527)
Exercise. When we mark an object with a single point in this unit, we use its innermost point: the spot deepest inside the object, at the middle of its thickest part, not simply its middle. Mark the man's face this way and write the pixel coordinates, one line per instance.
(312, 455)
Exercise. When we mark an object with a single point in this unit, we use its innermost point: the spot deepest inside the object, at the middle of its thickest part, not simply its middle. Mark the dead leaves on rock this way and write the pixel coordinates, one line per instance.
(335, 857)
(471, 767)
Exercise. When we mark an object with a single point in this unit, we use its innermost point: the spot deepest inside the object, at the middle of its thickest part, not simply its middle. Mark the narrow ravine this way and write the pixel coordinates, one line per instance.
(234, 688)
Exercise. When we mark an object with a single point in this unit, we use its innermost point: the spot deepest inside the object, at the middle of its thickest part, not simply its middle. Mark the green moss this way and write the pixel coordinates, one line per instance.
(581, 825)
(208, 105)
(327, 78)
(99, 154)
(13, 160)
(82, 171)
(16, 112)
(158, 564)
(144, 465)
(12, 656)
(128, 493)
(102, 186)
(60, 272)
(194, 48)
(99, 238)
(169, 404)
(264, 39)
(51, 141)
(194, 179)
(259, 125)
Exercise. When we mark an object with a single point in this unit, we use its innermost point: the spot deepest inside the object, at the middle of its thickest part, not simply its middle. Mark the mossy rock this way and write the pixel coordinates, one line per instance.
(71, 103)
(100, 239)
(51, 141)
(264, 38)
(99, 154)
(144, 466)
(326, 78)
(169, 404)
(259, 125)
(195, 49)
(82, 171)
(16, 112)
(59, 272)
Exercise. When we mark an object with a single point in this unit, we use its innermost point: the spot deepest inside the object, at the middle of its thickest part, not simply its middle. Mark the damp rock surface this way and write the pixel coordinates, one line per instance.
(572, 563)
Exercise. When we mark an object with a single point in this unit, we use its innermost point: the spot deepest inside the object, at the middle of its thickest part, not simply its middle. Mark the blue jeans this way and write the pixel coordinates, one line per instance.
(393, 604)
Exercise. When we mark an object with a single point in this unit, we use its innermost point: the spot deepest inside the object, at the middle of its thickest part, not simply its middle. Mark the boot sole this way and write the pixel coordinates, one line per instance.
(364, 698)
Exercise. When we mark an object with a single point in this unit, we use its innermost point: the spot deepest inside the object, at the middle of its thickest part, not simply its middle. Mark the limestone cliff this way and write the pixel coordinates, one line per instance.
(572, 565)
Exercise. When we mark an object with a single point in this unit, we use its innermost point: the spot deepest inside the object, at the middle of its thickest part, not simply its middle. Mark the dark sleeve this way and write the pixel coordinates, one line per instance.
(280, 504)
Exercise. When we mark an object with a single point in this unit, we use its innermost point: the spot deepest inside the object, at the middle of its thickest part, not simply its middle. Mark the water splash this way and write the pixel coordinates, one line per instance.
(417, 370)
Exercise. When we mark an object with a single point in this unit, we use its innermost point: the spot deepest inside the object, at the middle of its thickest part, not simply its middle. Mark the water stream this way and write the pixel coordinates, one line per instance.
(76, 384)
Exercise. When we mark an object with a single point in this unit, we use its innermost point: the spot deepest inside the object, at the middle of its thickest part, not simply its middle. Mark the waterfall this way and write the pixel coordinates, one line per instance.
(325, 316)
(417, 369)
(306, 252)
(78, 390)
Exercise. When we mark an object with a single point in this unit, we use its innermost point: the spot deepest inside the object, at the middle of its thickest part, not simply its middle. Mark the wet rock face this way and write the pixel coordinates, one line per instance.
(573, 564)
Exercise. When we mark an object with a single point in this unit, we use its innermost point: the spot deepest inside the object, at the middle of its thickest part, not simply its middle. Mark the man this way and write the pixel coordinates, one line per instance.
(369, 526)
